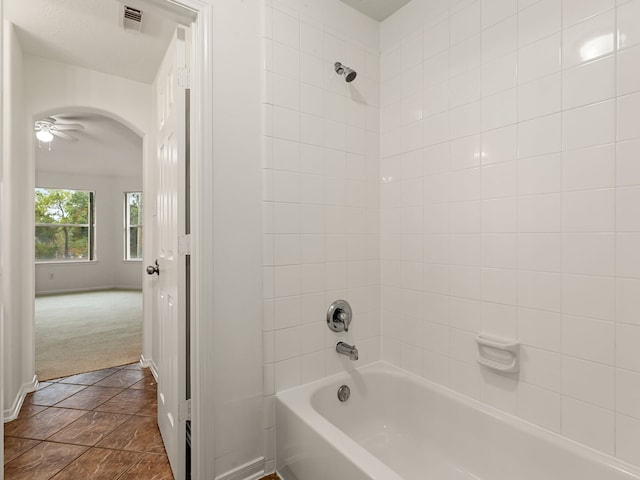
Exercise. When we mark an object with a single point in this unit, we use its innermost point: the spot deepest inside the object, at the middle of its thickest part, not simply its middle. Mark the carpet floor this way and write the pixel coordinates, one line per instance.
(86, 331)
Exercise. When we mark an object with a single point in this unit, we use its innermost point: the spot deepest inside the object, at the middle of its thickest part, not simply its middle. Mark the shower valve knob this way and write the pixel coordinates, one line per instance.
(339, 316)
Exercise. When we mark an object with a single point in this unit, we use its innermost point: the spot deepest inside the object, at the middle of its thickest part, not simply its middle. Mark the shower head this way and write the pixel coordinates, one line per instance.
(349, 74)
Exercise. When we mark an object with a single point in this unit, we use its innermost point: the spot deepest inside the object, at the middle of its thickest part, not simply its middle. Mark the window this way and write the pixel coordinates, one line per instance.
(133, 226)
(65, 225)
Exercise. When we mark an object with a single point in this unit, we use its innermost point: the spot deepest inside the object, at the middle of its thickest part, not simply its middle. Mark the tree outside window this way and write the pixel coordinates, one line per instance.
(133, 226)
(65, 225)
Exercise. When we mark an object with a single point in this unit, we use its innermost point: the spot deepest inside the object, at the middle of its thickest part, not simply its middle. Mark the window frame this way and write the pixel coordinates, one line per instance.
(91, 230)
(127, 226)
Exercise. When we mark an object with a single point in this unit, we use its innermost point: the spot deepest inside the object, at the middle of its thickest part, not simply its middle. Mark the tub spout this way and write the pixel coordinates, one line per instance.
(345, 349)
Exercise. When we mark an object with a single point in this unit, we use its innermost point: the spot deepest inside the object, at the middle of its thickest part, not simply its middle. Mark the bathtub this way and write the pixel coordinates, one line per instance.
(397, 426)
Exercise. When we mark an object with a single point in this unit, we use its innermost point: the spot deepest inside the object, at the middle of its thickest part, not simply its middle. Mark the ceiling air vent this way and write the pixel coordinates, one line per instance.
(131, 18)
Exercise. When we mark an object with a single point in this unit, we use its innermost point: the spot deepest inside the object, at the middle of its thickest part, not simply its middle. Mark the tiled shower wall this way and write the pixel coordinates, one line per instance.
(510, 205)
(321, 193)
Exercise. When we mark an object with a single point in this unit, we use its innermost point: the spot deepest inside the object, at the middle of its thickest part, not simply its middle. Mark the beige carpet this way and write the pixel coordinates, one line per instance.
(81, 332)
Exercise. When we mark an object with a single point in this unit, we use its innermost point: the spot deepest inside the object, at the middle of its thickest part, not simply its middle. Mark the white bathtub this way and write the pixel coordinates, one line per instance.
(397, 426)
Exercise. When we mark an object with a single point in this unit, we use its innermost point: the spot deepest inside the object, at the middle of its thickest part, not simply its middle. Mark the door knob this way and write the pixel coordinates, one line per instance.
(151, 269)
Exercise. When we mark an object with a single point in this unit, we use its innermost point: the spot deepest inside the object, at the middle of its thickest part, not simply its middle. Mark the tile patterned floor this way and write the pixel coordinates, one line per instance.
(99, 425)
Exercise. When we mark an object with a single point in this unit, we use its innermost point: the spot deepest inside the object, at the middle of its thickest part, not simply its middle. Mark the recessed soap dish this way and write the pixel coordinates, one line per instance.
(500, 354)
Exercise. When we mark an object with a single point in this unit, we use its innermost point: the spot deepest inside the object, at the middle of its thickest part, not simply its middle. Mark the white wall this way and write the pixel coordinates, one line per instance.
(16, 264)
(109, 270)
(510, 206)
(321, 193)
(235, 217)
(53, 85)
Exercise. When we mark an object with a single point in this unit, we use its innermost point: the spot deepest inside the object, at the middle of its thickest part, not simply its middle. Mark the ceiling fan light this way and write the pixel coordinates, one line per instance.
(44, 136)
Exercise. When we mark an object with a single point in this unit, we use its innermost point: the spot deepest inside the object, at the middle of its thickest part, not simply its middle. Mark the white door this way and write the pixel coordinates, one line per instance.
(170, 95)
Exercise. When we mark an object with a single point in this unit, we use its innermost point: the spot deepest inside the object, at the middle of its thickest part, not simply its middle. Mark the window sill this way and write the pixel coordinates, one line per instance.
(67, 262)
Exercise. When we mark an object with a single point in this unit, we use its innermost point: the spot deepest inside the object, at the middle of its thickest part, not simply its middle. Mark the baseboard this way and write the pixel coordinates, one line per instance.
(249, 471)
(12, 413)
(151, 365)
(88, 289)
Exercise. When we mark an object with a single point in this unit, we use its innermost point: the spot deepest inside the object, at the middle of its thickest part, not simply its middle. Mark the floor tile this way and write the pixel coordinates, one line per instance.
(90, 397)
(99, 464)
(138, 434)
(53, 394)
(129, 402)
(29, 410)
(134, 366)
(14, 447)
(42, 425)
(145, 384)
(121, 379)
(151, 467)
(89, 378)
(42, 461)
(90, 428)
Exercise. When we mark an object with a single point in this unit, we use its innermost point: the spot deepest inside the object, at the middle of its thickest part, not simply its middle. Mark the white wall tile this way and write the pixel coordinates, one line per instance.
(628, 71)
(499, 39)
(589, 381)
(627, 255)
(588, 424)
(541, 291)
(628, 393)
(499, 74)
(628, 300)
(540, 97)
(539, 59)
(465, 22)
(588, 339)
(589, 211)
(499, 110)
(540, 406)
(589, 40)
(538, 21)
(539, 174)
(627, 434)
(516, 210)
(593, 167)
(590, 125)
(537, 328)
(499, 145)
(539, 213)
(540, 252)
(628, 34)
(493, 11)
(539, 136)
(574, 11)
(627, 338)
(591, 254)
(629, 117)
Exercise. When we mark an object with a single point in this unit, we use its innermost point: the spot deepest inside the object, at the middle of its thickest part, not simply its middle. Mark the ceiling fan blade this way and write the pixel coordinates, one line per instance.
(68, 126)
(64, 136)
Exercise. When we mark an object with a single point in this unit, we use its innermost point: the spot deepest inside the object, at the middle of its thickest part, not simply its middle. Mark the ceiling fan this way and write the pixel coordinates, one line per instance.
(50, 127)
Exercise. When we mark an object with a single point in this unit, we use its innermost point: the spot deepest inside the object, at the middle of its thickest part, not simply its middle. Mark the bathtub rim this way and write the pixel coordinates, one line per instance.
(298, 401)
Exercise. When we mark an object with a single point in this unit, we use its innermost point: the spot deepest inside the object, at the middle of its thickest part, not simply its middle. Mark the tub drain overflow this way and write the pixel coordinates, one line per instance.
(343, 393)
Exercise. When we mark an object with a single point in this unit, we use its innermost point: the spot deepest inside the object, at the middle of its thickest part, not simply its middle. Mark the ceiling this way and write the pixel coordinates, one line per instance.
(377, 9)
(87, 33)
(104, 147)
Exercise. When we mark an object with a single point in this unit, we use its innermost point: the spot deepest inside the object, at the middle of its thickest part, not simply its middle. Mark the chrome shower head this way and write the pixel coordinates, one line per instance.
(349, 74)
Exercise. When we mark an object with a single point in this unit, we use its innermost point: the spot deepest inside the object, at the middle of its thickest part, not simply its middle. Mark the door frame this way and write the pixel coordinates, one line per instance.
(202, 385)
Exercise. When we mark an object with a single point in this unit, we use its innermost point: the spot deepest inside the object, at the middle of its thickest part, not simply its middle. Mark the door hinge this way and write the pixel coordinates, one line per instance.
(184, 244)
(184, 77)
(184, 411)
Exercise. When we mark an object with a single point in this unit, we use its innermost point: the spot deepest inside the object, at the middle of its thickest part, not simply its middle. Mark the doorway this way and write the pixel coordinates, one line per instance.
(88, 92)
(88, 244)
